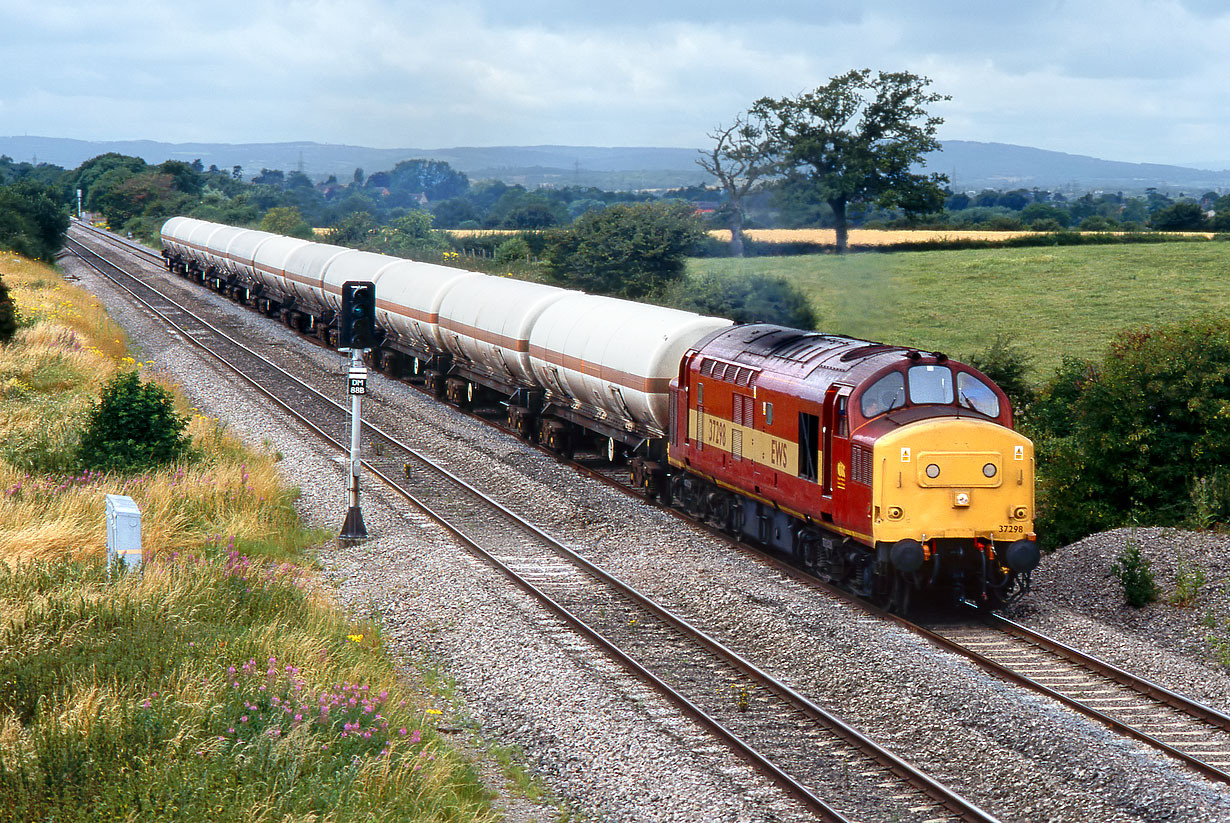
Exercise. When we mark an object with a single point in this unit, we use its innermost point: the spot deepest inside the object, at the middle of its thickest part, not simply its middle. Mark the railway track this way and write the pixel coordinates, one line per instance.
(1172, 723)
(829, 766)
(1130, 705)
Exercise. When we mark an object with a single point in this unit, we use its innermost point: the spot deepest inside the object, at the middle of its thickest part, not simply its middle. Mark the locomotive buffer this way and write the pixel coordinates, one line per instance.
(356, 334)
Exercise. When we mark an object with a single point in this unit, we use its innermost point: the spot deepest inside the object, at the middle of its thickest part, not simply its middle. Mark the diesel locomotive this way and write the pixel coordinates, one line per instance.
(892, 471)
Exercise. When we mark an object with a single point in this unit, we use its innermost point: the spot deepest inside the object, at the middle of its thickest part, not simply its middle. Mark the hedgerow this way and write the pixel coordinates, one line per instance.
(1129, 439)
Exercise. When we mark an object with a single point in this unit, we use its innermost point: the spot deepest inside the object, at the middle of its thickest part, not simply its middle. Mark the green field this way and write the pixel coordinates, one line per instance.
(1052, 301)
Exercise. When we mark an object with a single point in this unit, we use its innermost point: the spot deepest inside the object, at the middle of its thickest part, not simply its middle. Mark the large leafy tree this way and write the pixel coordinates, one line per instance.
(740, 160)
(31, 221)
(434, 178)
(286, 220)
(1185, 215)
(856, 139)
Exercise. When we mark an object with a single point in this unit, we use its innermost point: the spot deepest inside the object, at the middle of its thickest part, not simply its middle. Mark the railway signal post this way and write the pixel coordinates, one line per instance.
(356, 334)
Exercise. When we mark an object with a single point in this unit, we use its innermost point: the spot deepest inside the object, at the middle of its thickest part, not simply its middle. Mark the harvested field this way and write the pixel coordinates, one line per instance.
(886, 237)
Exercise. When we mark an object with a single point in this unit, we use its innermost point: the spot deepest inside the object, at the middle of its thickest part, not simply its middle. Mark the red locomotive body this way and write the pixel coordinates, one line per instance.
(824, 447)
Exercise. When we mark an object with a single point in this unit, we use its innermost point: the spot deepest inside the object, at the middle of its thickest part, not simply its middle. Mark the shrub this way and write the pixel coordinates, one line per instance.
(1210, 499)
(1097, 222)
(627, 250)
(1187, 584)
(8, 314)
(1127, 440)
(512, 250)
(1182, 216)
(1005, 362)
(32, 223)
(134, 426)
(1134, 573)
(743, 298)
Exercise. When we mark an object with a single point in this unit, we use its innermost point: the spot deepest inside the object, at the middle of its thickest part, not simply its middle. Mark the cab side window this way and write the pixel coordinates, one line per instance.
(972, 393)
(884, 395)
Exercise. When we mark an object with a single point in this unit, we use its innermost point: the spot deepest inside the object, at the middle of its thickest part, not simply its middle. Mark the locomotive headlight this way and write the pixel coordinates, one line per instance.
(933, 471)
(989, 470)
(960, 499)
(1020, 513)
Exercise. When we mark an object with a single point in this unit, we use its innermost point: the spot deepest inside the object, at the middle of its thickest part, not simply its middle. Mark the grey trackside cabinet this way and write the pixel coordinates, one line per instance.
(123, 531)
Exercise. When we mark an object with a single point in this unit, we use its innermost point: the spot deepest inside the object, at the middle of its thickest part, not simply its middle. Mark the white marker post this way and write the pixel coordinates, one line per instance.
(123, 532)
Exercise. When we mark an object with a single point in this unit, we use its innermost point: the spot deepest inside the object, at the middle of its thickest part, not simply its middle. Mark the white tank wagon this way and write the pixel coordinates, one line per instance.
(269, 260)
(241, 251)
(199, 248)
(408, 299)
(303, 276)
(216, 245)
(485, 324)
(569, 368)
(614, 359)
(342, 268)
(175, 236)
(179, 243)
(199, 242)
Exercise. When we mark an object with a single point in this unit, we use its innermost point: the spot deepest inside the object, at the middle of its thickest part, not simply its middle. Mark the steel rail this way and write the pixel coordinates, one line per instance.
(949, 800)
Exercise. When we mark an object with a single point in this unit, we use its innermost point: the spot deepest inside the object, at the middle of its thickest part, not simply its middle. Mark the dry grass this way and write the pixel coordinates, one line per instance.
(482, 232)
(50, 375)
(152, 678)
(226, 497)
(857, 237)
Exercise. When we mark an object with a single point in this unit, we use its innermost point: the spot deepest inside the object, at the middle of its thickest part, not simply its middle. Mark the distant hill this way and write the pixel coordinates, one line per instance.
(969, 165)
(975, 166)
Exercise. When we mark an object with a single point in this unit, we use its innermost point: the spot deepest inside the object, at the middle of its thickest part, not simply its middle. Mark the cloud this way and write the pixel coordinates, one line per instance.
(1132, 79)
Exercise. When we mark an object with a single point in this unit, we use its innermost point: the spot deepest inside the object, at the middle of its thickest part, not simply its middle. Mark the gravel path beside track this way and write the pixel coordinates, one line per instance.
(618, 752)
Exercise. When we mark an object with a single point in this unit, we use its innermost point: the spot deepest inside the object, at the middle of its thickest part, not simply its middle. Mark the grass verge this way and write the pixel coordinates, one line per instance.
(218, 683)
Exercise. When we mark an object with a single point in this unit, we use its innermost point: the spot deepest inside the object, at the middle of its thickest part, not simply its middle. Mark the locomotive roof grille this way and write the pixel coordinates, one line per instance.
(728, 372)
(799, 347)
(867, 351)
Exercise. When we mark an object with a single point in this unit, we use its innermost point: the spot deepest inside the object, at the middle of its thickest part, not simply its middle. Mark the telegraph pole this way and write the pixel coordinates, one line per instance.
(356, 334)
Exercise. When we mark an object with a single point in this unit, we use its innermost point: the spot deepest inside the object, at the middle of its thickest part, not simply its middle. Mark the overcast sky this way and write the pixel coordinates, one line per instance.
(1133, 80)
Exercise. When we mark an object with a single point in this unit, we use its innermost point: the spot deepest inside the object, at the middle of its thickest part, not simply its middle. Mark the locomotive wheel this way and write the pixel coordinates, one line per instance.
(899, 601)
(717, 509)
(678, 490)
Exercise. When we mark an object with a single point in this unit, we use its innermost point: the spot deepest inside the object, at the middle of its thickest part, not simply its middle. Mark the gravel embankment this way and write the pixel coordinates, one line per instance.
(618, 752)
